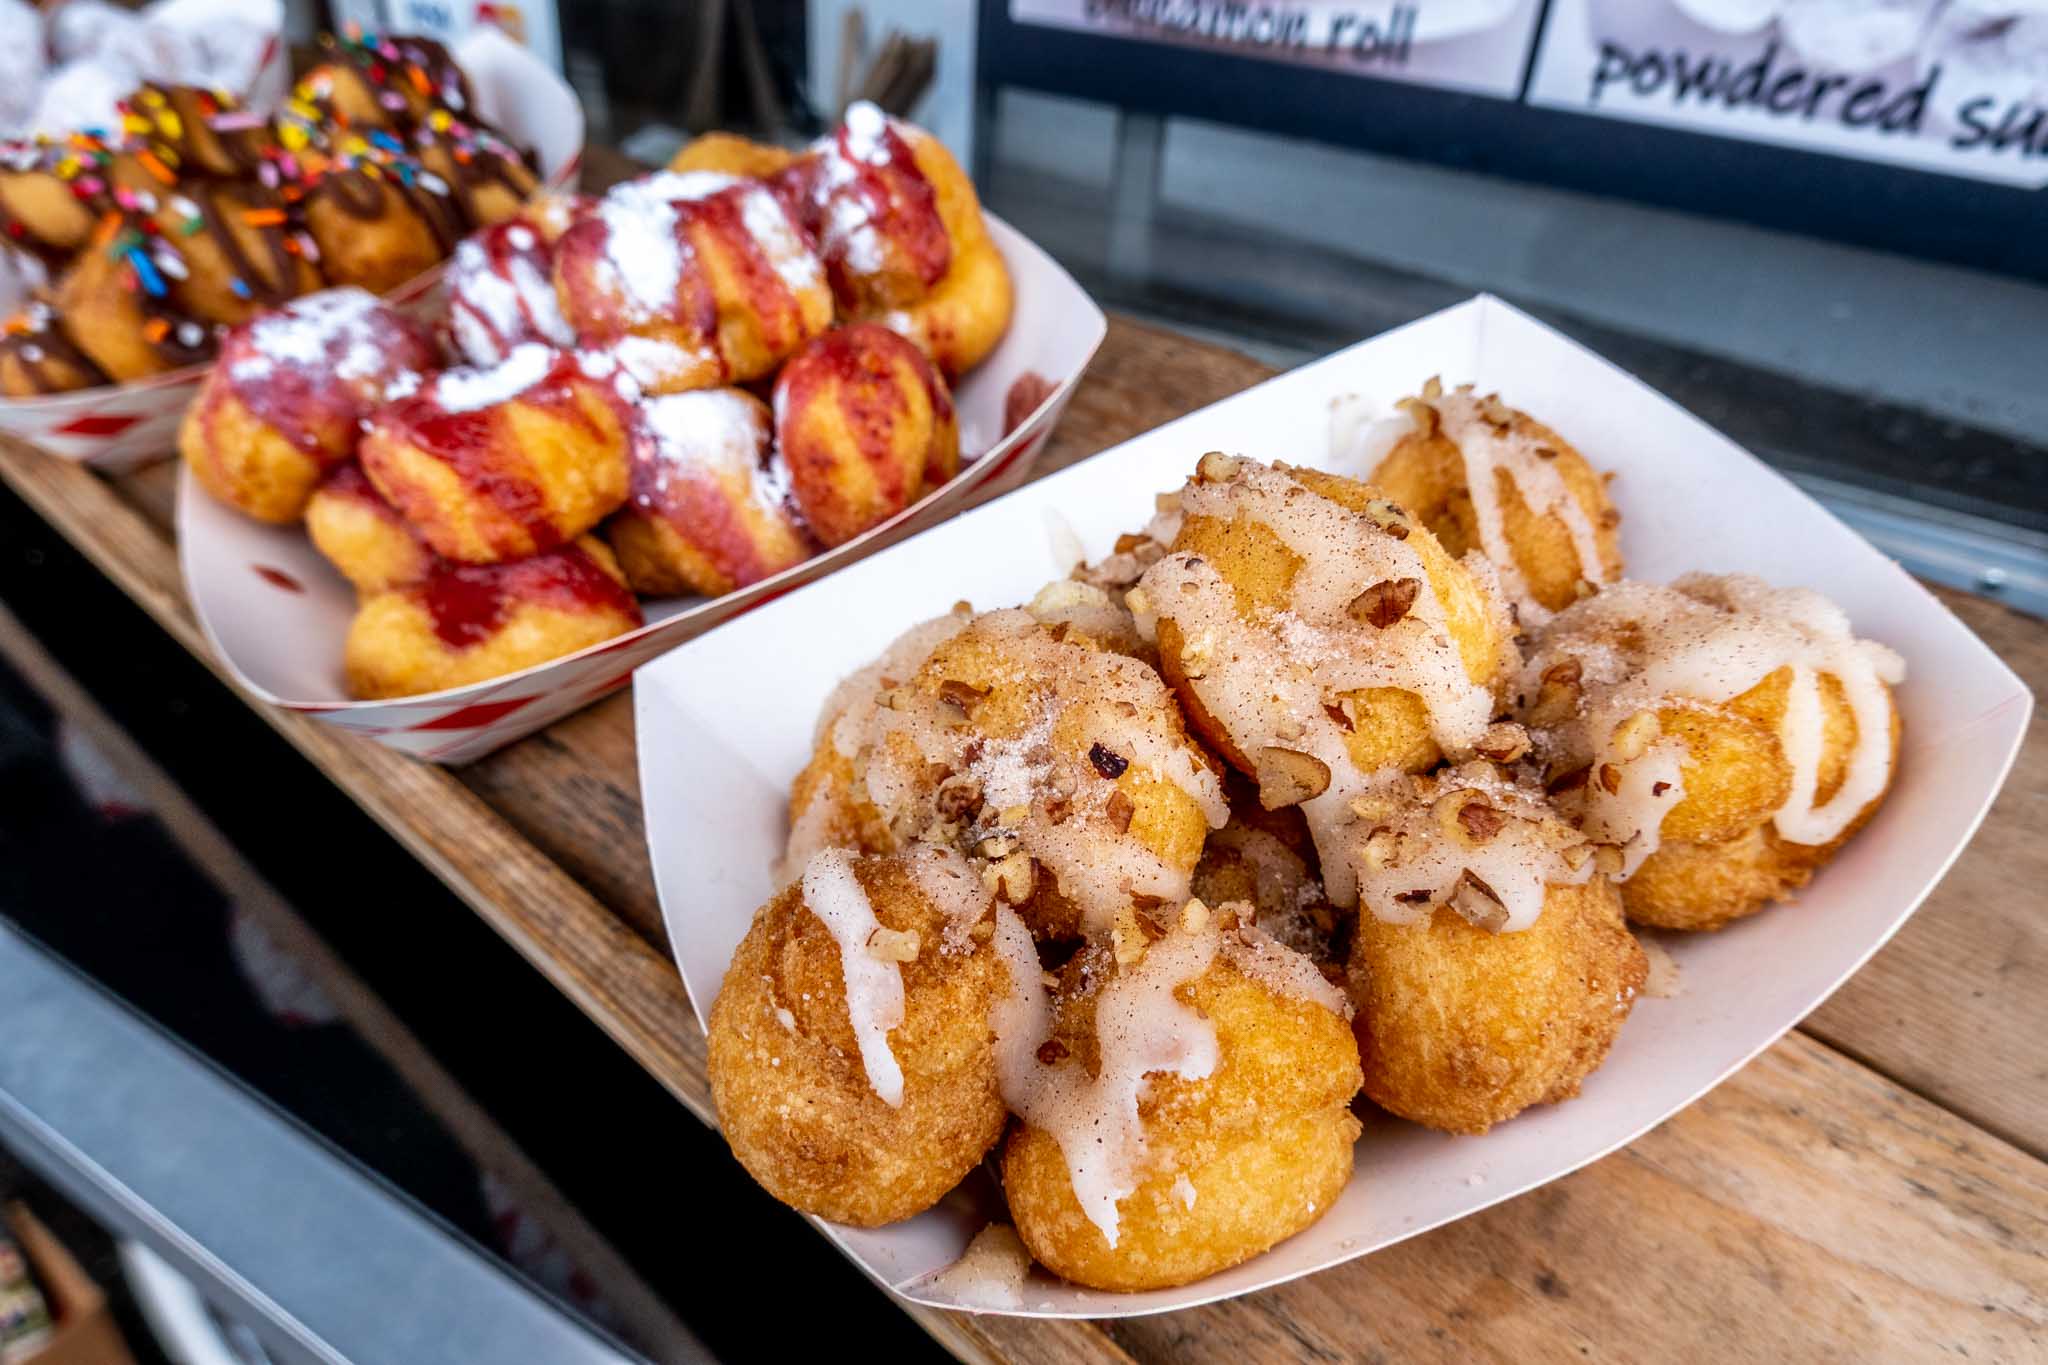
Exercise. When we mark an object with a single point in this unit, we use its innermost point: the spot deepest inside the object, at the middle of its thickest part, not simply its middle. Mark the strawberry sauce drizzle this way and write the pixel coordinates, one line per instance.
(470, 603)
(479, 448)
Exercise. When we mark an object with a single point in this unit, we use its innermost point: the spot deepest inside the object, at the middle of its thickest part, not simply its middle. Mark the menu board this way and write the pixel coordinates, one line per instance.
(1958, 87)
(1480, 46)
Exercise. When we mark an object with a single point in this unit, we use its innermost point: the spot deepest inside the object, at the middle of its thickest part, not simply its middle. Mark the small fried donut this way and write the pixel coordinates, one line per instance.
(1668, 720)
(693, 280)
(1316, 634)
(1484, 476)
(36, 357)
(465, 623)
(731, 154)
(851, 1051)
(376, 232)
(866, 428)
(286, 402)
(237, 252)
(501, 463)
(1060, 768)
(1189, 1109)
(487, 178)
(902, 236)
(129, 329)
(710, 509)
(362, 535)
(1490, 968)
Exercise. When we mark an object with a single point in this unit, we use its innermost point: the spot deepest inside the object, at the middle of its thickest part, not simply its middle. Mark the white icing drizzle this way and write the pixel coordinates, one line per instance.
(1488, 446)
(1706, 640)
(874, 987)
(989, 1274)
(1141, 1030)
(1267, 681)
(1411, 852)
(1279, 968)
(1053, 803)
(851, 717)
(954, 889)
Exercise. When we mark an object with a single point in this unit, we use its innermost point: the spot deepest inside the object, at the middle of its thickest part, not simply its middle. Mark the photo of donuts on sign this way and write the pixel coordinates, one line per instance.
(1957, 87)
(1479, 46)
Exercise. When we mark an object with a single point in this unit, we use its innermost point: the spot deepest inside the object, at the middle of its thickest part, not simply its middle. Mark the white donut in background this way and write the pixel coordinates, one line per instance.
(1998, 49)
(1730, 16)
(1855, 35)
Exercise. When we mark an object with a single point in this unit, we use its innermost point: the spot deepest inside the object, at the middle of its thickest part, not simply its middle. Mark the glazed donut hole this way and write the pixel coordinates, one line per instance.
(464, 623)
(1488, 477)
(1316, 635)
(495, 464)
(1188, 1108)
(362, 535)
(692, 279)
(1489, 966)
(866, 427)
(371, 235)
(1667, 720)
(1059, 768)
(851, 1047)
(285, 402)
(710, 509)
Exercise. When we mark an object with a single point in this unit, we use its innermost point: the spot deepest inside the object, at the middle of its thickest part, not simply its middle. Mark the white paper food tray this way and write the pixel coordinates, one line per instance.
(725, 723)
(277, 613)
(122, 426)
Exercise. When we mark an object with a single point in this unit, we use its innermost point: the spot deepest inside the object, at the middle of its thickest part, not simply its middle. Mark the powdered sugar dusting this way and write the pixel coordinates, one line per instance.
(723, 432)
(466, 390)
(492, 310)
(643, 252)
(337, 327)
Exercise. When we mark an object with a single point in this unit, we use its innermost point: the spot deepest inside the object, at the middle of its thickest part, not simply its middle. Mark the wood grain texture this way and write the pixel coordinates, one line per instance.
(1840, 1198)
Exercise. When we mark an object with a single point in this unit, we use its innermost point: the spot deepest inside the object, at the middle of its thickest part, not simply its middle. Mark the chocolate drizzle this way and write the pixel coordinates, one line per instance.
(272, 288)
(34, 351)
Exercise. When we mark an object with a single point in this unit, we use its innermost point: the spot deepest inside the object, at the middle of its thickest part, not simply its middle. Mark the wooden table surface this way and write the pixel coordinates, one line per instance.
(1871, 1188)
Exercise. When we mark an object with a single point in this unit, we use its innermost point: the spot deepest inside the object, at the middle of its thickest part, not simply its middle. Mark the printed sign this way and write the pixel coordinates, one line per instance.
(1958, 87)
(1481, 46)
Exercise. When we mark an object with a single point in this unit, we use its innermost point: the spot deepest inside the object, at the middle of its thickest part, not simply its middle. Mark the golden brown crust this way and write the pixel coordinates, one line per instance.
(1235, 1163)
(793, 1097)
(1389, 727)
(1426, 473)
(244, 462)
(1706, 884)
(397, 648)
(1460, 1028)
